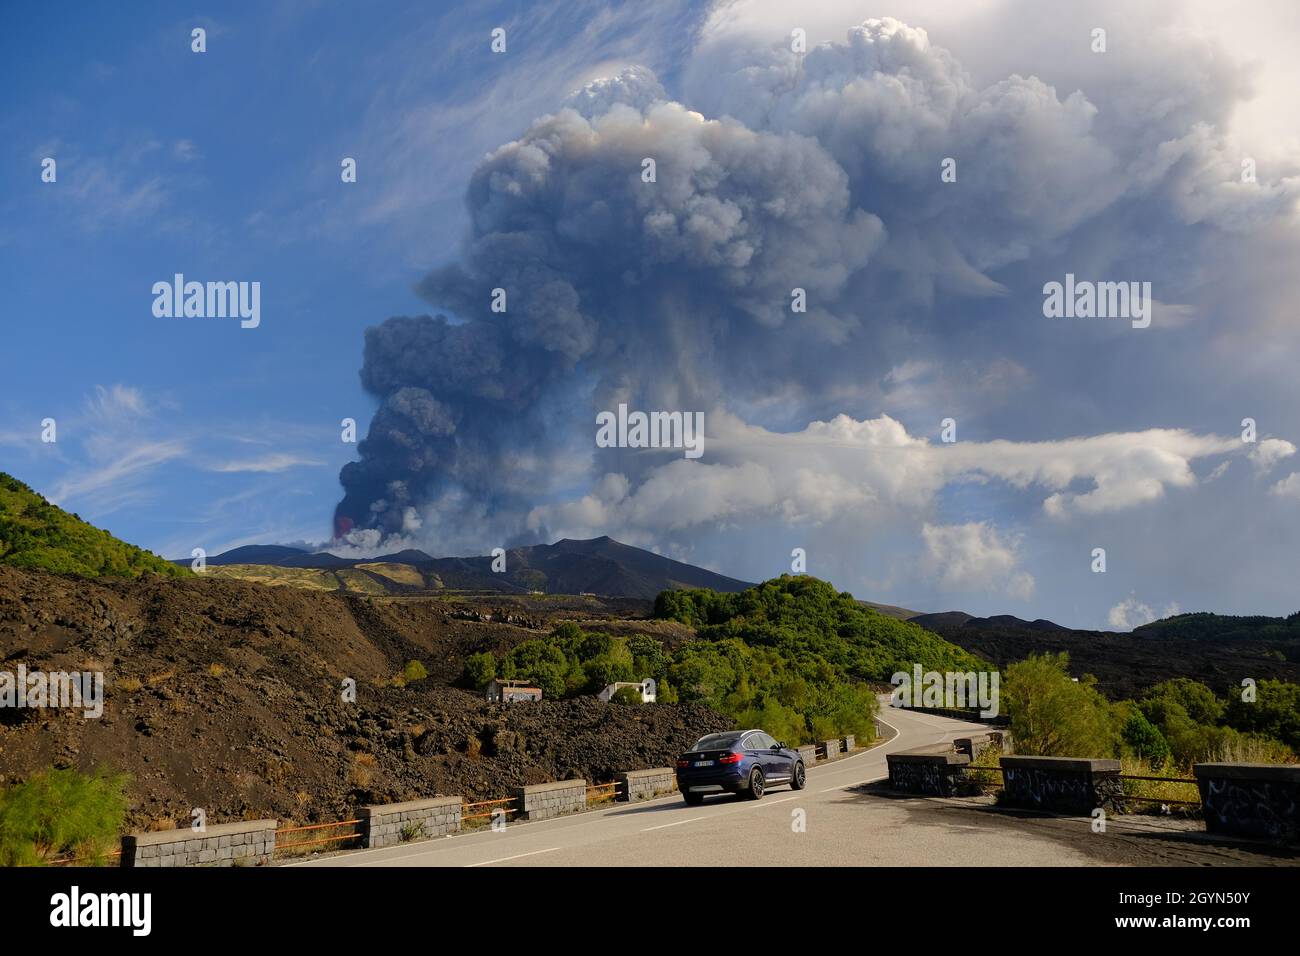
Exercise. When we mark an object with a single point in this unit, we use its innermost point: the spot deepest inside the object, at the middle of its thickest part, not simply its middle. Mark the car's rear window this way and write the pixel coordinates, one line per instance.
(716, 742)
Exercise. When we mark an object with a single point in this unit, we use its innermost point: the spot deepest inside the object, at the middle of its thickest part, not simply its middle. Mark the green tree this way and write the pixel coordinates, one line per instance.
(1275, 712)
(1053, 715)
(480, 668)
(1145, 739)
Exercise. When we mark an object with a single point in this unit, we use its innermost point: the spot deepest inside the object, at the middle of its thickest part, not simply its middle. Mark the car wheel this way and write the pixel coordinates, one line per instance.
(798, 779)
(756, 784)
(692, 799)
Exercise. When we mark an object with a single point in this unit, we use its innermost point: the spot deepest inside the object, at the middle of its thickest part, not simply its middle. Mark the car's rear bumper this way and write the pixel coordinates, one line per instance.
(729, 781)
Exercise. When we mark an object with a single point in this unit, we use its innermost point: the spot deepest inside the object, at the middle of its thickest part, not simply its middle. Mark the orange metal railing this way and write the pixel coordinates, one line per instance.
(603, 792)
(282, 845)
(487, 813)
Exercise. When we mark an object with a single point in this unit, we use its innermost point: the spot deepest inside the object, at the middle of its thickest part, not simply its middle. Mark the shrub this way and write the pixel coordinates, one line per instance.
(412, 830)
(414, 671)
(60, 813)
(626, 695)
(1145, 739)
(1052, 715)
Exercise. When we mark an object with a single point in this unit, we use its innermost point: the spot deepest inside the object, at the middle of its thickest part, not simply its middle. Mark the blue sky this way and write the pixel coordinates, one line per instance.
(180, 433)
(225, 165)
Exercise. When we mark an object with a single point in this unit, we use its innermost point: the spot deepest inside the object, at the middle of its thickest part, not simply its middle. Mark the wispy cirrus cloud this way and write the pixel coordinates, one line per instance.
(267, 464)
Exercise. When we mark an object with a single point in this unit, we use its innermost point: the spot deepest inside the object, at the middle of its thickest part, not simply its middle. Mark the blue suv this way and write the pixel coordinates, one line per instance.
(737, 761)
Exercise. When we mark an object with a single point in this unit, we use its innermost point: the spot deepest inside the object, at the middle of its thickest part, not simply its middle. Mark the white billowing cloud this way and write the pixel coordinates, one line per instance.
(1288, 487)
(1269, 452)
(853, 470)
(975, 557)
(1130, 613)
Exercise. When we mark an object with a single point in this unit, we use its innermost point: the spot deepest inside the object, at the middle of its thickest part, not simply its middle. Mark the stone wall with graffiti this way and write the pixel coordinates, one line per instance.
(1261, 801)
(935, 774)
(1061, 784)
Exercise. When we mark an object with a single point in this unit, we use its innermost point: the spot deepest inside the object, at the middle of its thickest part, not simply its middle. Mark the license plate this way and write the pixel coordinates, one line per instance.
(703, 763)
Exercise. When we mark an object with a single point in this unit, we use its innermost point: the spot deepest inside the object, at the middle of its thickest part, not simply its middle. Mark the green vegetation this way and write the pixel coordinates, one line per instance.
(1171, 788)
(414, 671)
(1053, 715)
(626, 695)
(480, 669)
(1223, 627)
(1144, 740)
(1173, 725)
(37, 534)
(803, 616)
(61, 813)
(792, 656)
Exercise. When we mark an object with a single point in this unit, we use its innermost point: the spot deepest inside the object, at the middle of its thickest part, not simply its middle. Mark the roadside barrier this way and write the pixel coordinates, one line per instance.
(318, 835)
(1251, 799)
(1259, 801)
(599, 793)
(261, 841)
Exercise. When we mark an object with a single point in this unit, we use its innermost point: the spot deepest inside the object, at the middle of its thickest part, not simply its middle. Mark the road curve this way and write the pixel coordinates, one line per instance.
(839, 827)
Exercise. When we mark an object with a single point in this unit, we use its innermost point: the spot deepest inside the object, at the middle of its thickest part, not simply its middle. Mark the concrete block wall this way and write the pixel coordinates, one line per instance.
(1251, 799)
(544, 800)
(935, 774)
(1062, 784)
(249, 843)
(645, 784)
(386, 824)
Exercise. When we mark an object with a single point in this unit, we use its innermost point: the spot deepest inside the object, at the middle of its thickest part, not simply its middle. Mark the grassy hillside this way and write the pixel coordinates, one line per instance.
(792, 656)
(804, 617)
(37, 534)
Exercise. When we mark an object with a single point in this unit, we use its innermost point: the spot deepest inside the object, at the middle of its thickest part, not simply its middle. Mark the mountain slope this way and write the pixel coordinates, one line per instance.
(950, 619)
(37, 534)
(1203, 626)
(1216, 650)
(596, 566)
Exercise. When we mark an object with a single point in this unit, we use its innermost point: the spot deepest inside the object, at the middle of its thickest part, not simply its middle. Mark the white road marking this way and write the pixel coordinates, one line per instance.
(675, 823)
(517, 856)
(753, 806)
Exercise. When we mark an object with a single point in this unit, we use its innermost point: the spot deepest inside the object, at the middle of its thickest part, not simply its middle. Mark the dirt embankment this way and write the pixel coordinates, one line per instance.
(227, 695)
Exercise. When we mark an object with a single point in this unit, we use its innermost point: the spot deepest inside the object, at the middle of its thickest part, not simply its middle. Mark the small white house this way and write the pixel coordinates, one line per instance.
(646, 687)
(511, 691)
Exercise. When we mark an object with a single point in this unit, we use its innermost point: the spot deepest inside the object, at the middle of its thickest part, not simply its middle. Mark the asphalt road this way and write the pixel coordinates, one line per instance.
(839, 827)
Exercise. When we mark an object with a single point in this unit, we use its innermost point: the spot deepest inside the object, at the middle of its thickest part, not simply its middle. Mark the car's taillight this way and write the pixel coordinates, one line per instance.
(730, 758)
(683, 763)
